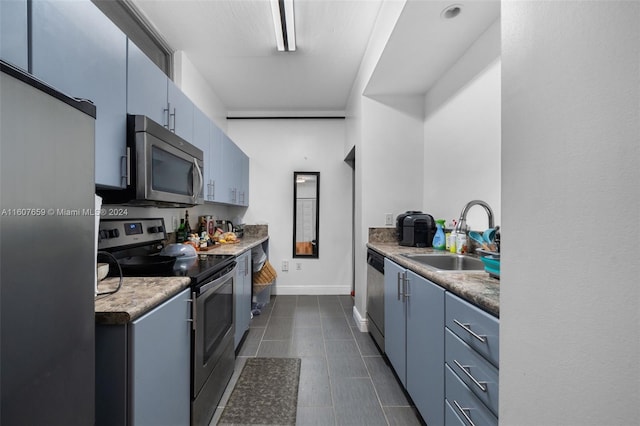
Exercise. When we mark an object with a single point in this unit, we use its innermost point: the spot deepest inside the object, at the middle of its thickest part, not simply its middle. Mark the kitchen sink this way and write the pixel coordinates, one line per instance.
(448, 262)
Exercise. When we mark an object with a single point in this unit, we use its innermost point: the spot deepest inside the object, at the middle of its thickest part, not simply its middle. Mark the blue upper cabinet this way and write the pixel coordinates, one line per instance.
(202, 140)
(13, 32)
(147, 87)
(78, 50)
(181, 112)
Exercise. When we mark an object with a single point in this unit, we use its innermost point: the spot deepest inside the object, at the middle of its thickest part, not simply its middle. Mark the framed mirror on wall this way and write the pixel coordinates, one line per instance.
(306, 214)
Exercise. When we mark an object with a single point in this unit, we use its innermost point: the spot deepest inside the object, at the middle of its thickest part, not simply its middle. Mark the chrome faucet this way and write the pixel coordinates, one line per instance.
(461, 226)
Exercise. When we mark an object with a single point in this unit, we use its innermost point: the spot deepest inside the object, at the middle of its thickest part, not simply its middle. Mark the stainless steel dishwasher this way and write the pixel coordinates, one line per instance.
(375, 296)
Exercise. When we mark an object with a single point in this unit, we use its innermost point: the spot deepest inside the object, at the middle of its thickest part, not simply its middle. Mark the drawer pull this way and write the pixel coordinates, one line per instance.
(480, 385)
(399, 292)
(466, 328)
(463, 411)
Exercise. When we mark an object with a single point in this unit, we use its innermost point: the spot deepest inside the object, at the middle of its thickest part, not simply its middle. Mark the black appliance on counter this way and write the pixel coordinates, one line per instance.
(136, 244)
(415, 229)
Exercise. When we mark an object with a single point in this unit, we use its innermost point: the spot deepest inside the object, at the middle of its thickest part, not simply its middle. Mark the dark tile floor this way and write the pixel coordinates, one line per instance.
(343, 379)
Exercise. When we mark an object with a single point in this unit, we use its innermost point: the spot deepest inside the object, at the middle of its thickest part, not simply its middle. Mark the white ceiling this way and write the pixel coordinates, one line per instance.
(232, 44)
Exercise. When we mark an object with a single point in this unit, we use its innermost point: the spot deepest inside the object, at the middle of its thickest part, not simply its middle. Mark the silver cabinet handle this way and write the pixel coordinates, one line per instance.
(406, 293)
(174, 120)
(480, 385)
(193, 311)
(399, 292)
(213, 190)
(167, 110)
(463, 411)
(466, 328)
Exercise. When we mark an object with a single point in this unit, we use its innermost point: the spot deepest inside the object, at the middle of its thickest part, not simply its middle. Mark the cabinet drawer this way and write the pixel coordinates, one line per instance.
(451, 418)
(475, 327)
(464, 402)
(475, 371)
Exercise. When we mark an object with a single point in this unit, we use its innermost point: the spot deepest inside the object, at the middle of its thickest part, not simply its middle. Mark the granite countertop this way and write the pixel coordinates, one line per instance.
(235, 249)
(137, 296)
(477, 288)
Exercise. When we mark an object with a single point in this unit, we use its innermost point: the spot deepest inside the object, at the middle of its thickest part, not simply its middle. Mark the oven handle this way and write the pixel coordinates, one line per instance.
(193, 310)
(214, 285)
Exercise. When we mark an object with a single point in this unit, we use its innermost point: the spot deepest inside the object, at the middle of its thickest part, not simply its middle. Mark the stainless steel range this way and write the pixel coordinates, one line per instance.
(136, 244)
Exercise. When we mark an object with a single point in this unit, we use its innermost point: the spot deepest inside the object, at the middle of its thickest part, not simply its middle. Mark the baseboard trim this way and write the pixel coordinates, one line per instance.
(362, 323)
(311, 290)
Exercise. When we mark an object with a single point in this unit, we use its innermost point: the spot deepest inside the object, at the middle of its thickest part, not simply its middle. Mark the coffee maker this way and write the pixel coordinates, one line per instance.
(415, 229)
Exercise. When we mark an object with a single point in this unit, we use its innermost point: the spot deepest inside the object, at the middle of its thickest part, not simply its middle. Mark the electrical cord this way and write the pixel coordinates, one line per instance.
(103, 293)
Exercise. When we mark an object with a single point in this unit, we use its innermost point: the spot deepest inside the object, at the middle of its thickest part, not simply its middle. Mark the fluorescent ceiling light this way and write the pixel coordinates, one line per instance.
(283, 24)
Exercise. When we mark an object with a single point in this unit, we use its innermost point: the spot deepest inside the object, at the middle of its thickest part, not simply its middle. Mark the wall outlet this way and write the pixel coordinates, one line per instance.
(298, 266)
(388, 219)
(285, 265)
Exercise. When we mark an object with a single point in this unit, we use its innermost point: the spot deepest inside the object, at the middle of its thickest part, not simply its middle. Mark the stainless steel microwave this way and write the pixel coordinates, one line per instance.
(160, 169)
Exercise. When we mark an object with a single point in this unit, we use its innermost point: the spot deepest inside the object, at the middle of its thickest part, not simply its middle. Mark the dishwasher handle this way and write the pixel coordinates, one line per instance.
(375, 260)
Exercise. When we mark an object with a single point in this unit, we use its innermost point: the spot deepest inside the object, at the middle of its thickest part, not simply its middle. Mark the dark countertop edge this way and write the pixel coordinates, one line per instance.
(476, 288)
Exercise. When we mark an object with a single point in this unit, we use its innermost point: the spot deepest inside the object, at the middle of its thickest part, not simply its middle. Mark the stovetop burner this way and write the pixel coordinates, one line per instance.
(137, 242)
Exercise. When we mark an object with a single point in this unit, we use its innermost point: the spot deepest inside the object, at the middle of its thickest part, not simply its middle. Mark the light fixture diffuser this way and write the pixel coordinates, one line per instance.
(283, 25)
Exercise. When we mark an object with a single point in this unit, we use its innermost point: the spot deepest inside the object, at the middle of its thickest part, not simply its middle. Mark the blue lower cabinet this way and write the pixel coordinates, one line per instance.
(242, 287)
(414, 338)
(465, 404)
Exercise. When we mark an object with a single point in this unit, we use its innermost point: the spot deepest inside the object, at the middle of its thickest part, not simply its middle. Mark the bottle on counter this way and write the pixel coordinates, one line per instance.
(461, 242)
(187, 226)
(439, 241)
(451, 239)
(181, 235)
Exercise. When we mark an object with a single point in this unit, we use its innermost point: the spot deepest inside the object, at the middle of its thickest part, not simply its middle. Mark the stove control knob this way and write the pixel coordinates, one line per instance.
(114, 233)
(153, 229)
(160, 229)
(104, 234)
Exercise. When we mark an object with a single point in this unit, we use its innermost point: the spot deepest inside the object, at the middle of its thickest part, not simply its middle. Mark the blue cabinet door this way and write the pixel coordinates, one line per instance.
(78, 50)
(215, 160)
(13, 32)
(395, 337)
(160, 364)
(425, 347)
(146, 87)
(243, 191)
(202, 140)
(181, 112)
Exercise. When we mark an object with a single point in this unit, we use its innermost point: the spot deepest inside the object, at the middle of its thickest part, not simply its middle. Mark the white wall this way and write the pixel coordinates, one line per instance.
(277, 148)
(193, 84)
(570, 293)
(462, 135)
(462, 152)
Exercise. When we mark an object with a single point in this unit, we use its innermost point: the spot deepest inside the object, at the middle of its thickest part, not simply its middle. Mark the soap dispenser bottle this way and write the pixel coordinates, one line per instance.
(439, 242)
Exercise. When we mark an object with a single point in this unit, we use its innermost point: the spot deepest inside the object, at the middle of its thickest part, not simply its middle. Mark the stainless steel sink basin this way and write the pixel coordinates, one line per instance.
(448, 262)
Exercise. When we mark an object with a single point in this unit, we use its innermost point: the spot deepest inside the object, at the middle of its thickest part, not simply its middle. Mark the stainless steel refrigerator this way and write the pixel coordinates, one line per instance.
(47, 255)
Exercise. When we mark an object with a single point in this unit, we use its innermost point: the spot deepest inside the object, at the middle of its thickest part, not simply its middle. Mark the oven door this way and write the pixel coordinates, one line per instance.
(213, 326)
(166, 173)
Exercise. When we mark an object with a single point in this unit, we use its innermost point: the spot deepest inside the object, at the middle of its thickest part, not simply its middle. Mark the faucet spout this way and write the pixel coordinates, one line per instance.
(462, 223)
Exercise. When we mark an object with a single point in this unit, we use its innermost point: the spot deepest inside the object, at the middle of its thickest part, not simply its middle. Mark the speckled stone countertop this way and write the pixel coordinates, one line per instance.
(477, 288)
(235, 249)
(137, 296)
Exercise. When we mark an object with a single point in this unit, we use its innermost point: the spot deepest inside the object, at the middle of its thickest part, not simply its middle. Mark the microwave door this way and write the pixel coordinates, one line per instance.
(169, 174)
